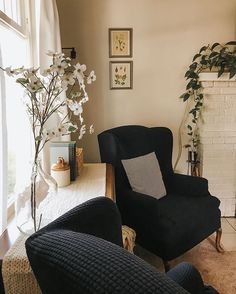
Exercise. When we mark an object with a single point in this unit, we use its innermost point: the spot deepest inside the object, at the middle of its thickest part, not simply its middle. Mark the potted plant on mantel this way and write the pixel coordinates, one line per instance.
(218, 58)
(44, 97)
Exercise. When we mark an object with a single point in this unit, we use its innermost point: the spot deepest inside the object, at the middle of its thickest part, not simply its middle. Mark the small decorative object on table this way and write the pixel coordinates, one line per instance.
(45, 97)
(60, 171)
(67, 150)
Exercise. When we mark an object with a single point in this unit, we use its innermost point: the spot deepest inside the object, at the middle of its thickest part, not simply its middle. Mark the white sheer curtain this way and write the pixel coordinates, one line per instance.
(49, 31)
(44, 36)
(3, 154)
(49, 40)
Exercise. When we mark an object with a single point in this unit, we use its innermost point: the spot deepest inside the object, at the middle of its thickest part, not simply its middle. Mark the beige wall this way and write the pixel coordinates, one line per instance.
(166, 34)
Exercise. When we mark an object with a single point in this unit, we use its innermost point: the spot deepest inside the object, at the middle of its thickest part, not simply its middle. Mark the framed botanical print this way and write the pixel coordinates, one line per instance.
(120, 42)
(121, 75)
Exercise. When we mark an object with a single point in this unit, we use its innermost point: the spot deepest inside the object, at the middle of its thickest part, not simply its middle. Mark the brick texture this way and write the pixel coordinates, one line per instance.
(218, 142)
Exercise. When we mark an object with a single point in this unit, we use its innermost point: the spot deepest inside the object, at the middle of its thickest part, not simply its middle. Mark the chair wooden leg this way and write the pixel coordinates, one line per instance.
(166, 265)
(219, 247)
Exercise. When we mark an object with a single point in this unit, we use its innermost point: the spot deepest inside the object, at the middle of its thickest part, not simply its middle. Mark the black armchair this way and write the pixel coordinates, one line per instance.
(68, 257)
(170, 226)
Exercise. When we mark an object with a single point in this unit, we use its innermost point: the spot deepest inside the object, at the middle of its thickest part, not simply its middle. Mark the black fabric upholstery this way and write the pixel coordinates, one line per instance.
(191, 274)
(98, 217)
(187, 276)
(64, 260)
(175, 223)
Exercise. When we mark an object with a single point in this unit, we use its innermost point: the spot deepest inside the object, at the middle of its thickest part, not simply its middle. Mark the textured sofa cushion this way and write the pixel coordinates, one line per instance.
(144, 175)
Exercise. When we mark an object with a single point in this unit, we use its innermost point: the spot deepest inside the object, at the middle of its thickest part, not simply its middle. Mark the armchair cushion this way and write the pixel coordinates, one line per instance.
(158, 221)
(144, 175)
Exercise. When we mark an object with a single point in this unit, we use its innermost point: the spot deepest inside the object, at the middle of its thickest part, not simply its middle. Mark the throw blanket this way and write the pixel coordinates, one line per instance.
(129, 236)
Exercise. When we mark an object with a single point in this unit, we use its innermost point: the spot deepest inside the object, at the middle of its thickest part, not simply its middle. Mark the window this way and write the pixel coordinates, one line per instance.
(12, 12)
(15, 133)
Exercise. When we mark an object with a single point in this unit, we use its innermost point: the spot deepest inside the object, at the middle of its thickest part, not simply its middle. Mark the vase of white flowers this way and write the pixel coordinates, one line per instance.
(32, 198)
(59, 90)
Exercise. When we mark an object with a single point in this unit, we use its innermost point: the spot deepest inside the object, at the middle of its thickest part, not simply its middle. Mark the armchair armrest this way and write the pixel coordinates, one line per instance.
(190, 185)
(98, 217)
(188, 277)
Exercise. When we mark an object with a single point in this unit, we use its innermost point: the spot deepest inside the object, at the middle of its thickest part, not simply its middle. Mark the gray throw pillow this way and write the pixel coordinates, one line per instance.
(144, 175)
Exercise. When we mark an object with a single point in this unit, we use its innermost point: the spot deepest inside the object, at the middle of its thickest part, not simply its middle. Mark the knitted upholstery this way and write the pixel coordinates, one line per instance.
(69, 262)
(177, 222)
(98, 216)
(186, 275)
(64, 260)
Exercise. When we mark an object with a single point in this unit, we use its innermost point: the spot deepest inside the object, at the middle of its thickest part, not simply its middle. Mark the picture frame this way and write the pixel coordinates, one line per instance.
(121, 75)
(120, 42)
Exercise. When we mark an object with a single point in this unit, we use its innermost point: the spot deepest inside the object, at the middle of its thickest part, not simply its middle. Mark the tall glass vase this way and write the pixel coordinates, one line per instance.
(31, 202)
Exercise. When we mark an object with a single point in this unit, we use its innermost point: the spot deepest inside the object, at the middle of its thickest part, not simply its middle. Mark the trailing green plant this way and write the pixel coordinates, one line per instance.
(219, 58)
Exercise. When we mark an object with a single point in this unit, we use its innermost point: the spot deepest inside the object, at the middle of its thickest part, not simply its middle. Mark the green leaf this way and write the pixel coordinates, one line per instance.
(232, 73)
(193, 75)
(38, 138)
(200, 96)
(185, 96)
(213, 54)
(187, 73)
(211, 66)
(203, 49)
(190, 134)
(190, 84)
(22, 80)
(214, 45)
(203, 61)
(193, 66)
(196, 86)
(192, 111)
(196, 56)
(220, 72)
(231, 43)
(189, 127)
(222, 52)
(187, 146)
(72, 129)
(198, 104)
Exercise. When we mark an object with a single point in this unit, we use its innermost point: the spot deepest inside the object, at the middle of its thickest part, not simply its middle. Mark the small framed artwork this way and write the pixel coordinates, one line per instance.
(121, 75)
(120, 42)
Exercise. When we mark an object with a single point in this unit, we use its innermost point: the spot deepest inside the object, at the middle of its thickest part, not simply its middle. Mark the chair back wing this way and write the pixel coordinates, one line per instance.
(98, 216)
(132, 141)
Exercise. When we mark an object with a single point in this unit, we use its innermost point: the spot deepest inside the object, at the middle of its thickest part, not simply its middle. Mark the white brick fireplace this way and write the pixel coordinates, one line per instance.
(218, 138)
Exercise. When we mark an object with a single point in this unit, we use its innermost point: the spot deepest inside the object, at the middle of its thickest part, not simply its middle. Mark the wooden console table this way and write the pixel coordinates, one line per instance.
(97, 179)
